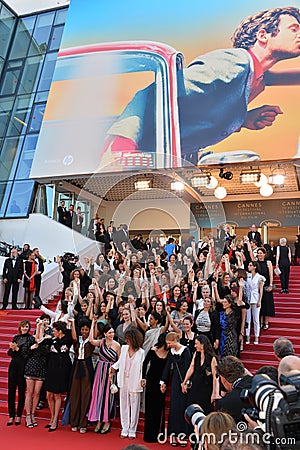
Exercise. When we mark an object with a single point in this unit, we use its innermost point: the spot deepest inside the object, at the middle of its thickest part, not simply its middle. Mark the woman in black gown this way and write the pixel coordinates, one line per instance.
(267, 300)
(283, 262)
(59, 369)
(153, 367)
(202, 374)
(179, 357)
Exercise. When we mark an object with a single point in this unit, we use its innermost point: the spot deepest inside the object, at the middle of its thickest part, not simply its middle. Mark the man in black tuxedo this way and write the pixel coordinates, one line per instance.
(40, 270)
(231, 371)
(62, 213)
(70, 216)
(12, 276)
(254, 235)
(108, 238)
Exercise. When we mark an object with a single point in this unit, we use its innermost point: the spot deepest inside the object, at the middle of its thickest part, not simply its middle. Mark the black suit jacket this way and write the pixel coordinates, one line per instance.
(257, 237)
(62, 214)
(232, 402)
(13, 274)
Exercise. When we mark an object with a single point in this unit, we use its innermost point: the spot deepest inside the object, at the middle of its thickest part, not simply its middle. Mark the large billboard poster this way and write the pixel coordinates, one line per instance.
(142, 85)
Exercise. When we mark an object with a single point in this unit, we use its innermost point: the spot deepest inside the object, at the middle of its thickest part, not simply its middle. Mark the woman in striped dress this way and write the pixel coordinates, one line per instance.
(102, 407)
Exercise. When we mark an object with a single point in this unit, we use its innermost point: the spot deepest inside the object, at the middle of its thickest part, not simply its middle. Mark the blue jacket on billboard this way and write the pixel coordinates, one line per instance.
(213, 93)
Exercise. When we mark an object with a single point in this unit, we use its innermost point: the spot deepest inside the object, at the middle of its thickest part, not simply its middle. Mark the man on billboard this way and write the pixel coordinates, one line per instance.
(216, 88)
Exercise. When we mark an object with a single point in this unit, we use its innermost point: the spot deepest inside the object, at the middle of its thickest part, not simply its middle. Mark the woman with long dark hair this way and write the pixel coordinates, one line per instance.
(267, 300)
(82, 376)
(153, 367)
(202, 376)
(59, 368)
(30, 270)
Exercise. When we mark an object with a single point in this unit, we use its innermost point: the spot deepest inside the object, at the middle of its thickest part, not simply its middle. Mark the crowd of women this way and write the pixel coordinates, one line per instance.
(129, 324)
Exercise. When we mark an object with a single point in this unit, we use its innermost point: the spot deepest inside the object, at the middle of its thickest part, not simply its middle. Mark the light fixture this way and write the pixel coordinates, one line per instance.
(143, 185)
(213, 183)
(266, 190)
(177, 186)
(226, 175)
(277, 177)
(220, 192)
(250, 175)
(203, 179)
(263, 180)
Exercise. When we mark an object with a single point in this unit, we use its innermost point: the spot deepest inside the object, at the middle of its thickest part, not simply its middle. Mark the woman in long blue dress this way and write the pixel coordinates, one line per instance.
(102, 407)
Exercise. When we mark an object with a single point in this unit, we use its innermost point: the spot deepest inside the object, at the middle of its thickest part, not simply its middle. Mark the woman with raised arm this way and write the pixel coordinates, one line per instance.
(267, 300)
(82, 376)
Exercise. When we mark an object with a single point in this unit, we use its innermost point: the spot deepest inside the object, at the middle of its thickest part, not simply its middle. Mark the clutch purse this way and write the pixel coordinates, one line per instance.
(113, 389)
(277, 271)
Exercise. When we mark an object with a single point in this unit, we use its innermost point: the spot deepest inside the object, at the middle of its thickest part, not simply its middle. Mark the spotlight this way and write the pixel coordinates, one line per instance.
(250, 176)
(226, 175)
(220, 192)
(177, 186)
(143, 185)
(277, 177)
(213, 183)
(266, 190)
(203, 179)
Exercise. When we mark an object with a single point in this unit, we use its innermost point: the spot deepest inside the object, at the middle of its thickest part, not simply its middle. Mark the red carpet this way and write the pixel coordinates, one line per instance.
(285, 324)
(30, 439)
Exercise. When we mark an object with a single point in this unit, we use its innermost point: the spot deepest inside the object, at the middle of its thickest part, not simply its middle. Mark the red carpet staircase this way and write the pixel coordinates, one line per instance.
(286, 323)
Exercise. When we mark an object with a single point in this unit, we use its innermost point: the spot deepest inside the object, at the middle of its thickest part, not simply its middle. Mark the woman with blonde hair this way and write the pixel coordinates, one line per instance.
(180, 358)
(283, 263)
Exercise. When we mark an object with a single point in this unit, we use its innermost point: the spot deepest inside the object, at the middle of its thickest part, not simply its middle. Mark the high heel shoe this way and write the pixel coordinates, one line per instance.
(18, 421)
(29, 423)
(52, 428)
(98, 429)
(105, 430)
(48, 425)
(10, 422)
(33, 421)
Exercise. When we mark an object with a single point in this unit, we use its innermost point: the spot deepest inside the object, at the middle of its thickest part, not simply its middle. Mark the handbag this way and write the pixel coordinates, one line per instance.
(277, 271)
(272, 285)
(189, 383)
(113, 388)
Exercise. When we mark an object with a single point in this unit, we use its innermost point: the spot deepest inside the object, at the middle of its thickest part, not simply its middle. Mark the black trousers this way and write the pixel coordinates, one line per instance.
(15, 289)
(284, 276)
(16, 380)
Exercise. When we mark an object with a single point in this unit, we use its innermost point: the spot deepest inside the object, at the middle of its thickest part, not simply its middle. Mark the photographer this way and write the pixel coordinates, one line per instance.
(232, 375)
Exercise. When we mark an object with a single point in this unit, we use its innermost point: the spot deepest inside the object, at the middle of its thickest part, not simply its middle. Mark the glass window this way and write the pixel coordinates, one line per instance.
(56, 37)
(31, 74)
(9, 152)
(37, 117)
(20, 199)
(7, 21)
(27, 155)
(5, 189)
(20, 115)
(47, 72)
(41, 34)
(61, 16)
(10, 81)
(22, 37)
(6, 106)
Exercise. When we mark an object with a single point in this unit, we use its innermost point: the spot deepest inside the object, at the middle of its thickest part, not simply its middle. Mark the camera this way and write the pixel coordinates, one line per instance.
(278, 407)
(194, 415)
(69, 257)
